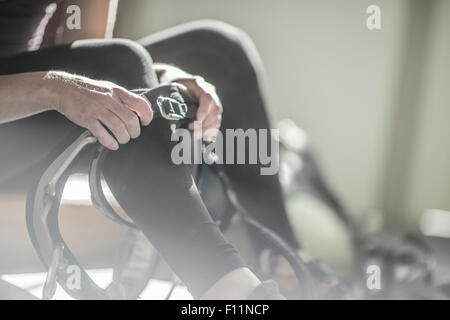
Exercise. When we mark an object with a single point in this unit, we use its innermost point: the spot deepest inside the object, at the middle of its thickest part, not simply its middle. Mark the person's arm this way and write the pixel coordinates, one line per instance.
(88, 103)
(97, 20)
(23, 95)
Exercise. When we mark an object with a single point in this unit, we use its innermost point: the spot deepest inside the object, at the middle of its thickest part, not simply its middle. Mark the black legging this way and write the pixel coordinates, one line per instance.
(159, 196)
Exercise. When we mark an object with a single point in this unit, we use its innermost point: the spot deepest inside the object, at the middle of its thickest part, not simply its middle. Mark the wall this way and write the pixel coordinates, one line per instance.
(426, 183)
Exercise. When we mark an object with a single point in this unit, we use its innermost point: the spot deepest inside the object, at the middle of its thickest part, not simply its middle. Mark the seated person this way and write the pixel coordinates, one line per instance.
(50, 95)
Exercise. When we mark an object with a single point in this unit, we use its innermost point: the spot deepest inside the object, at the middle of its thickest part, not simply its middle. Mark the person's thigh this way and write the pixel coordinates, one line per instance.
(27, 144)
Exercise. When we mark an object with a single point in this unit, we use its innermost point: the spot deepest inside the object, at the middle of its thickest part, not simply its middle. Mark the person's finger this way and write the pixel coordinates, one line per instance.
(136, 103)
(215, 125)
(211, 90)
(193, 86)
(115, 125)
(103, 136)
(197, 134)
(212, 123)
(205, 104)
(211, 134)
(128, 117)
(205, 93)
(212, 118)
(196, 128)
(211, 131)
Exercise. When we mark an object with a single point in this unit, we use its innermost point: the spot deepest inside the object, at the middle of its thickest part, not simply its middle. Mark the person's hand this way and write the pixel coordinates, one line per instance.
(210, 109)
(97, 105)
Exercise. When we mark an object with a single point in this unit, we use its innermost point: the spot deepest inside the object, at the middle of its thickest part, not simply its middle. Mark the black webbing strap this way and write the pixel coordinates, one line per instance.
(170, 101)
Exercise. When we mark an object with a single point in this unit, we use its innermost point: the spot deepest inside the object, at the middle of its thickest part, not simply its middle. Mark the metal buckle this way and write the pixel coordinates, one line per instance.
(171, 109)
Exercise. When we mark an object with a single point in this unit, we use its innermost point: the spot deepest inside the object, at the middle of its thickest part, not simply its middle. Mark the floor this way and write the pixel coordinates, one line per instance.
(155, 290)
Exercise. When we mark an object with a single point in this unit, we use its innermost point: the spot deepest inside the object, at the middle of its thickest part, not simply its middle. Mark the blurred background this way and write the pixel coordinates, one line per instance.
(375, 104)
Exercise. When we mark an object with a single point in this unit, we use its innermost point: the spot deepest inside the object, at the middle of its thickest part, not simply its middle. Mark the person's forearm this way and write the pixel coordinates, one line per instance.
(24, 94)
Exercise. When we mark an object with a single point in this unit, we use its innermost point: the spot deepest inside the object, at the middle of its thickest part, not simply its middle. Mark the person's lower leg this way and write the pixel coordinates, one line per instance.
(163, 201)
(237, 284)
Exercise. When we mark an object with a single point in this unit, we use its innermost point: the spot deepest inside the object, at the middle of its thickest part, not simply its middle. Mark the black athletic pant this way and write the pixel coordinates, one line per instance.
(159, 196)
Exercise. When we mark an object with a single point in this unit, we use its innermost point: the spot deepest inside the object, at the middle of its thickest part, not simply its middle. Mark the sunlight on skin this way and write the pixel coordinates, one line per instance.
(236, 285)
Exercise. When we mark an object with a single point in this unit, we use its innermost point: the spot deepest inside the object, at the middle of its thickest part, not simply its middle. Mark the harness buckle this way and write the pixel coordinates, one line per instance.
(171, 109)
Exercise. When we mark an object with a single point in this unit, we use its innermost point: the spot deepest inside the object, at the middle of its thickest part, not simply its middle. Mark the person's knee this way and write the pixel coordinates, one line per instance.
(219, 33)
(132, 62)
(223, 39)
(128, 62)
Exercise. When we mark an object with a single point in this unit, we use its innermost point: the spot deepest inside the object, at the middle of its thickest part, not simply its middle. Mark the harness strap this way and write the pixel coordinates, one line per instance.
(170, 101)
